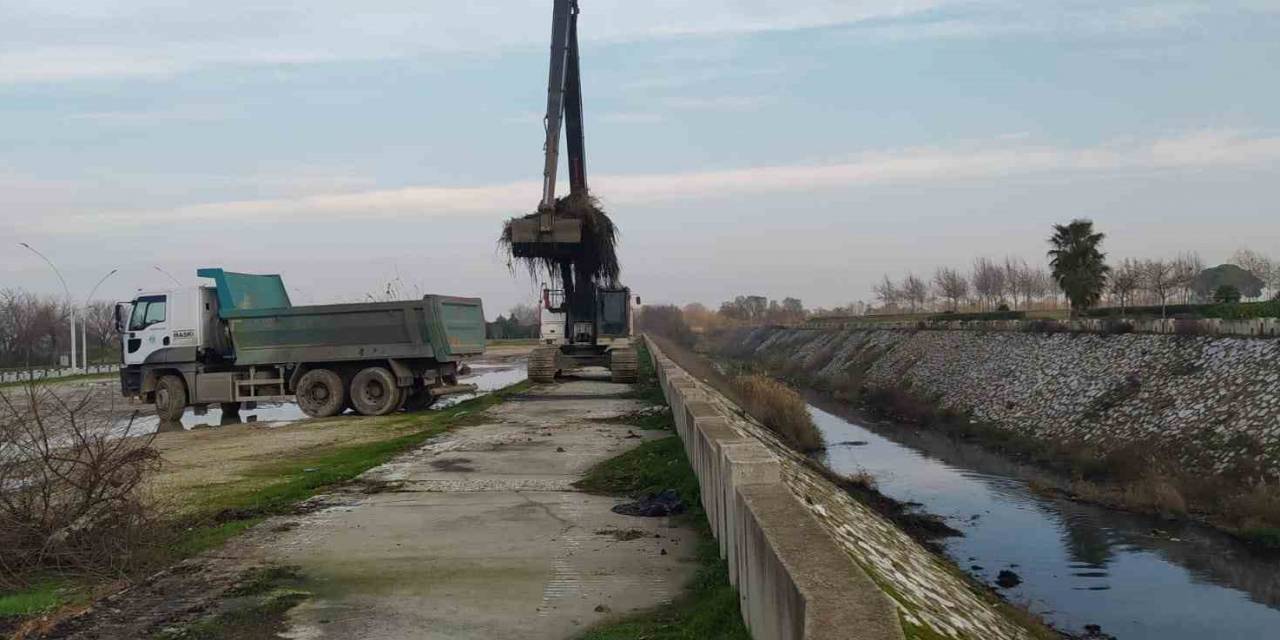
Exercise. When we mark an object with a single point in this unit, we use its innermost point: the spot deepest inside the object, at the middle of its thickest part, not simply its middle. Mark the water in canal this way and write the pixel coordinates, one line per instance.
(1137, 577)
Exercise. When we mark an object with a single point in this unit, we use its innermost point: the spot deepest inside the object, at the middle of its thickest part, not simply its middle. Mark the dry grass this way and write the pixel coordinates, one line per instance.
(781, 409)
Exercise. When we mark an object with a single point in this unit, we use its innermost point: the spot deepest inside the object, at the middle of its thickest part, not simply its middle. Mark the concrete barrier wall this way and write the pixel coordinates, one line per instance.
(794, 581)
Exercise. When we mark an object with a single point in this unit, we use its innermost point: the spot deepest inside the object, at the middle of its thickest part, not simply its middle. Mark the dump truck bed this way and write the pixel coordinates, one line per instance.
(443, 328)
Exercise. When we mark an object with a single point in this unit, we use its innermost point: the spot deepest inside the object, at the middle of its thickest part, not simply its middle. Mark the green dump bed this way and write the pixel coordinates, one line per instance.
(438, 327)
(267, 329)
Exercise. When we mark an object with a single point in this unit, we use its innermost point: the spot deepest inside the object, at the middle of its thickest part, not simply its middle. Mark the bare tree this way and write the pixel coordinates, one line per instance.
(1186, 266)
(1126, 280)
(915, 291)
(1158, 280)
(988, 281)
(951, 286)
(524, 314)
(1041, 283)
(1266, 269)
(887, 292)
(100, 331)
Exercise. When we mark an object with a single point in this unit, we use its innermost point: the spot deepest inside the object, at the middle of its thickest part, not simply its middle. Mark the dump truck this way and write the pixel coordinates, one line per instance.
(240, 341)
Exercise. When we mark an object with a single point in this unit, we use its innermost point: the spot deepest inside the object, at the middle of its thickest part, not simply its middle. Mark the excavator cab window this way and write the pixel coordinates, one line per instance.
(613, 312)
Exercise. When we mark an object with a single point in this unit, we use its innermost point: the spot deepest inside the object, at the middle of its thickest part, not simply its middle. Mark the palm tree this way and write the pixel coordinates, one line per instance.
(1078, 263)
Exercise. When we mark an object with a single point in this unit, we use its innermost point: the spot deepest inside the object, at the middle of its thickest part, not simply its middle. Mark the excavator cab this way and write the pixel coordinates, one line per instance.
(595, 334)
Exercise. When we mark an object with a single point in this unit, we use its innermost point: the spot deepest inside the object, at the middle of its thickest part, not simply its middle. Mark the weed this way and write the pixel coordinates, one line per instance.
(781, 409)
(39, 597)
(709, 607)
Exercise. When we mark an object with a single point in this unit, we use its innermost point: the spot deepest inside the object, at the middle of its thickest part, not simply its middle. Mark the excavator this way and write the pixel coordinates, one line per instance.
(587, 321)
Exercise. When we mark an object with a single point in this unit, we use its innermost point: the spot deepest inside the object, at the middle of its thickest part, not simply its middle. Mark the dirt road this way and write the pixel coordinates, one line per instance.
(477, 534)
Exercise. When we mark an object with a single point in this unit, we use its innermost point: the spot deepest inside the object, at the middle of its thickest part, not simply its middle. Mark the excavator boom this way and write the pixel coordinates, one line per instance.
(564, 105)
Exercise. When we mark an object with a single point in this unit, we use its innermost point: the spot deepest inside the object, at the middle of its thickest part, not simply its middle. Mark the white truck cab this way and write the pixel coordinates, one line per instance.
(169, 326)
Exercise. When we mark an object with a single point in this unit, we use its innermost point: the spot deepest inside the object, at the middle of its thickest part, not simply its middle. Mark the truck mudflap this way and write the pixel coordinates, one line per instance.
(453, 390)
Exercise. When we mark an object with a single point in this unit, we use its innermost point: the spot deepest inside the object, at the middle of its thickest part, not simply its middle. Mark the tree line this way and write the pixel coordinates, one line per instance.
(1077, 274)
(35, 330)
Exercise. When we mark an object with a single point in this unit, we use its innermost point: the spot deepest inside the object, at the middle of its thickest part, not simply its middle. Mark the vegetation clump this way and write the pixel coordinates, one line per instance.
(781, 409)
(73, 500)
(709, 608)
(577, 266)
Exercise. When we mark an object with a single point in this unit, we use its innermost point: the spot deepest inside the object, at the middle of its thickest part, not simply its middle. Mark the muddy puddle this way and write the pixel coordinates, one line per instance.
(1136, 577)
(487, 377)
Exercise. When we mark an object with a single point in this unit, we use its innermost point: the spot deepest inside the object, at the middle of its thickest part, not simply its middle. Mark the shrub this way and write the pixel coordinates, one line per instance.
(72, 478)
(1226, 294)
(989, 315)
(781, 409)
(667, 321)
(1045, 326)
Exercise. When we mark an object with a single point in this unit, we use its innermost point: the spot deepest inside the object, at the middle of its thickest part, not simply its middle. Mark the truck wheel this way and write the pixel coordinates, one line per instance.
(624, 365)
(171, 398)
(542, 364)
(320, 393)
(374, 392)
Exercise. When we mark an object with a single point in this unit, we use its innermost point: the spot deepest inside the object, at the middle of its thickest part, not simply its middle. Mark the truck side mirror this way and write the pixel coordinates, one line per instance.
(122, 316)
(637, 301)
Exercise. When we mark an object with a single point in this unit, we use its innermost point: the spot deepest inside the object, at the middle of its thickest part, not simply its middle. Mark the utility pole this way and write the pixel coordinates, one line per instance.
(70, 305)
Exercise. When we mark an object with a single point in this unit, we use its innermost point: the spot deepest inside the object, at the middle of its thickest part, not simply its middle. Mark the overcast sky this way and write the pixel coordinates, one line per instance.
(743, 146)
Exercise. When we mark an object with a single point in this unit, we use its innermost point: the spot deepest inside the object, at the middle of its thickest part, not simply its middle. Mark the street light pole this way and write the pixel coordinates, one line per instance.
(70, 306)
(84, 322)
(175, 280)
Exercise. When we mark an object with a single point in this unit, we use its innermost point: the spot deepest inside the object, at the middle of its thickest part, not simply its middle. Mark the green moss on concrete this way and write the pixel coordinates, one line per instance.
(255, 610)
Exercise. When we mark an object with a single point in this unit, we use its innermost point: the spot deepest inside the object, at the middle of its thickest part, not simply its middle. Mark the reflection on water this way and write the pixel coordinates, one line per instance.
(486, 377)
(1136, 576)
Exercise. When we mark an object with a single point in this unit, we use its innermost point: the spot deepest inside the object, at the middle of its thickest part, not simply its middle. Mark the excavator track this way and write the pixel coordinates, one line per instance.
(624, 365)
(542, 364)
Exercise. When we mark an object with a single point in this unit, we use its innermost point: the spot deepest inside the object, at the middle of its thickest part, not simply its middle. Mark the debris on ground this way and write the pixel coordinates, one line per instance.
(623, 535)
(657, 505)
(1007, 579)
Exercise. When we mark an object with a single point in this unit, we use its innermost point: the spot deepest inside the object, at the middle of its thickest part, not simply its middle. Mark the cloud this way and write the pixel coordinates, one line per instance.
(992, 161)
(50, 42)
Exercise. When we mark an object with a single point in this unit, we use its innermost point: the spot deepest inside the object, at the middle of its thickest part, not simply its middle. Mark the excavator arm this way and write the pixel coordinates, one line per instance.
(564, 107)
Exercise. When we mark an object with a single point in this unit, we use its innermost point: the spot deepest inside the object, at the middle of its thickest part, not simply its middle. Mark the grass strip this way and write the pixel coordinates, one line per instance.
(274, 488)
(222, 512)
(708, 609)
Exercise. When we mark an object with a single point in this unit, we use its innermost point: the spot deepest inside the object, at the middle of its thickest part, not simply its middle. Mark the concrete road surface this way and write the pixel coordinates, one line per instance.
(482, 535)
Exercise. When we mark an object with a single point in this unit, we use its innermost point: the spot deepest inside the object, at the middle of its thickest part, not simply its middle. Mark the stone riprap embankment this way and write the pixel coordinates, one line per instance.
(1211, 403)
(808, 560)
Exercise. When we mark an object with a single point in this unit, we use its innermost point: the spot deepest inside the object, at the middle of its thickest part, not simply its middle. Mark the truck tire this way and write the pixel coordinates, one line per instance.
(320, 393)
(170, 398)
(542, 364)
(374, 392)
(624, 365)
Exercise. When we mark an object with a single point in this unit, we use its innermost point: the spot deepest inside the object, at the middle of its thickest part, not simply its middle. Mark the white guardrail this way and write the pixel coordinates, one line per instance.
(55, 372)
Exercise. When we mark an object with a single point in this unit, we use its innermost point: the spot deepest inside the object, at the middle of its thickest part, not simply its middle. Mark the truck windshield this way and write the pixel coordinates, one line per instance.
(147, 311)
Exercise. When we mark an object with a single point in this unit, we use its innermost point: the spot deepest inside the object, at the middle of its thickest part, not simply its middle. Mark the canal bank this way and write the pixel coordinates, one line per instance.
(1084, 568)
(735, 458)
